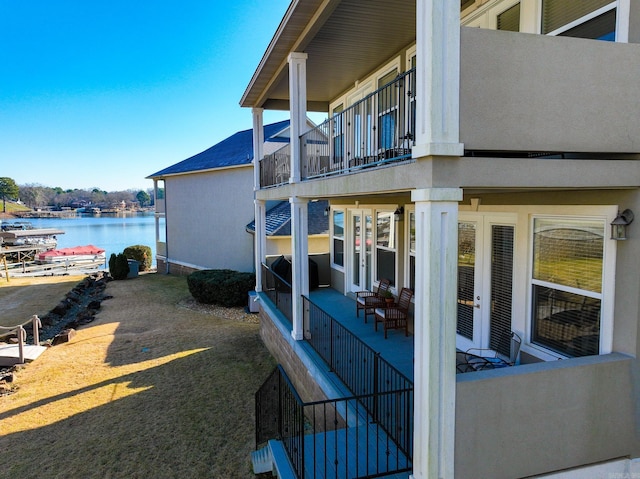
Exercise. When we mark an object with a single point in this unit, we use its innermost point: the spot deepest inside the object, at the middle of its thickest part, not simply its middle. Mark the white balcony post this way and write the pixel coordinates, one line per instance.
(298, 108)
(260, 207)
(258, 145)
(435, 331)
(437, 79)
(299, 262)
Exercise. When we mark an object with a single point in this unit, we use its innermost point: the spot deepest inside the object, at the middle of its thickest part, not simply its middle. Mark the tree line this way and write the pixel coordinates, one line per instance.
(39, 196)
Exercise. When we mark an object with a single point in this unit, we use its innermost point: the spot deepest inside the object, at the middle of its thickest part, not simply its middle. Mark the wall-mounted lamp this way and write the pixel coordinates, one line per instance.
(326, 211)
(399, 213)
(619, 225)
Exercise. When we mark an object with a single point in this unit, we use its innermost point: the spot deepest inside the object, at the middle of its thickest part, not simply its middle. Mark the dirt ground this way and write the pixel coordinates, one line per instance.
(157, 386)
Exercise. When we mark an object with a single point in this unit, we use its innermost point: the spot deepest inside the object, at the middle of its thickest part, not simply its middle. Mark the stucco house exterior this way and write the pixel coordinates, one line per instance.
(485, 155)
(205, 202)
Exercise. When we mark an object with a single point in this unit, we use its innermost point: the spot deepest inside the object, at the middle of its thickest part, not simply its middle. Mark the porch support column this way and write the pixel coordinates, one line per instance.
(299, 262)
(258, 145)
(437, 79)
(260, 208)
(435, 331)
(298, 108)
(260, 240)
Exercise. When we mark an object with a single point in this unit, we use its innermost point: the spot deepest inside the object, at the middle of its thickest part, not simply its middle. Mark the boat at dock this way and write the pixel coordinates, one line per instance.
(41, 238)
(74, 255)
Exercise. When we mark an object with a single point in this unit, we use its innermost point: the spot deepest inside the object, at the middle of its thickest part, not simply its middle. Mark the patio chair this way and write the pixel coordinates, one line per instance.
(370, 300)
(468, 363)
(478, 361)
(397, 315)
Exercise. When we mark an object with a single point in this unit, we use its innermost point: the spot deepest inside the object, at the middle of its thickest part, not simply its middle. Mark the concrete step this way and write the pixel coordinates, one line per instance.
(262, 461)
(10, 354)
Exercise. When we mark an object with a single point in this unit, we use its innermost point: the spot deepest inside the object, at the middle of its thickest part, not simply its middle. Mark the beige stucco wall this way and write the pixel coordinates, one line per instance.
(545, 417)
(207, 214)
(537, 93)
(277, 245)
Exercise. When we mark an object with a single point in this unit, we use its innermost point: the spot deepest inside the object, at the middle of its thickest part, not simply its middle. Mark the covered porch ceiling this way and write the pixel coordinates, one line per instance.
(345, 40)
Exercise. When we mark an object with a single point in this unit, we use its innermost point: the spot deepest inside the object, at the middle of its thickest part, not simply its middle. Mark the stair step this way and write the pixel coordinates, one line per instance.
(261, 460)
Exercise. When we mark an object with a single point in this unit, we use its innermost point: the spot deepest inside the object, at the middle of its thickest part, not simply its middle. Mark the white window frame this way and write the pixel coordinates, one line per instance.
(408, 211)
(333, 237)
(393, 248)
(487, 15)
(586, 18)
(608, 283)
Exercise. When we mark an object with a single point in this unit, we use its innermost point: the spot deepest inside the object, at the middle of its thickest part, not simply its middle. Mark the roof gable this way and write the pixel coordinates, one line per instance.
(236, 150)
(278, 219)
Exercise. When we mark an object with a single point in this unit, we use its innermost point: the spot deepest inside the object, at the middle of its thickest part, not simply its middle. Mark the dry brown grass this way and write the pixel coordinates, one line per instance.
(151, 389)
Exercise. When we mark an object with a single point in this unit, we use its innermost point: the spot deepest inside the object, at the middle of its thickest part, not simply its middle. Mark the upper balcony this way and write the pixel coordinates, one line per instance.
(521, 95)
(377, 130)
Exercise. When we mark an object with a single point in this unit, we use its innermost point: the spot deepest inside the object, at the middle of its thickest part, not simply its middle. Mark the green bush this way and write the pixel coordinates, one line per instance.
(141, 253)
(221, 286)
(118, 266)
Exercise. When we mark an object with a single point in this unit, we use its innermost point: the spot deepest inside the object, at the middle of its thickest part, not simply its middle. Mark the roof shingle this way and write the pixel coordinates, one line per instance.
(233, 151)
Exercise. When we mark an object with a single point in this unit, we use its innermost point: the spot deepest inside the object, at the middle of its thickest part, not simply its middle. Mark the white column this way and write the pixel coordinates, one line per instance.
(260, 207)
(258, 145)
(298, 107)
(435, 331)
(299, 262)
(437, 79)
(260, 240)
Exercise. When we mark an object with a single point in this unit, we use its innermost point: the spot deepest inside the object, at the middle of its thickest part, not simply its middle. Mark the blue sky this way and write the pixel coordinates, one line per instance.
(103, 94)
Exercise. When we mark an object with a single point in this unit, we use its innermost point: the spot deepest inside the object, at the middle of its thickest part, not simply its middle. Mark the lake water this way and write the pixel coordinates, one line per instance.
(113, 233)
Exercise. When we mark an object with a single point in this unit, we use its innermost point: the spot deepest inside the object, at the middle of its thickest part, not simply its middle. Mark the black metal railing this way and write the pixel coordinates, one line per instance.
(278, 289)
(331, 438)
(376, 130)
(363, 371)
(280, 415)
(275, 169)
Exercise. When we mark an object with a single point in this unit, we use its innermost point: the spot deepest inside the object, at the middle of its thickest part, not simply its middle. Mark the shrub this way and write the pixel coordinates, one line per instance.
(221, 286)
(141, 253)
(118, 266)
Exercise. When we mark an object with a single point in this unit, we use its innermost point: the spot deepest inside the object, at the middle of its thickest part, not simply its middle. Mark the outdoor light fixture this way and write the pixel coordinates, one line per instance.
(619, 225)
(399, 213)
(326, 211)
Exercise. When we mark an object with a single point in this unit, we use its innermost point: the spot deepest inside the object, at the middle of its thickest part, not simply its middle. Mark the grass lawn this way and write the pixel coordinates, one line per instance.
(152, 389)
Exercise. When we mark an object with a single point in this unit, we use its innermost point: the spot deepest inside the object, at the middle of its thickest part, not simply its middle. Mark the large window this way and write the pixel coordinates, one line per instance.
(385, 246)
(579, 18)
(338, 237)
(387, 111)
(412, 250)
(567, 284)
(509, 20)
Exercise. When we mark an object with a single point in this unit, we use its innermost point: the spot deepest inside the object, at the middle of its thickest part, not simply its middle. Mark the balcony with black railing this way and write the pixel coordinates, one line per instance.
(366, 433)
(375, 131)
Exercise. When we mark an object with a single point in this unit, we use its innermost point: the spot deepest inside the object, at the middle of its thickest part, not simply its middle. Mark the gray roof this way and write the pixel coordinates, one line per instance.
(278, 219)
(236, 150)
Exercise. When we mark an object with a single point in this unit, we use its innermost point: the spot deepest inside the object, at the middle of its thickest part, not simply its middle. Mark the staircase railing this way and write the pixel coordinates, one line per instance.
(331, 438)
(362, 370)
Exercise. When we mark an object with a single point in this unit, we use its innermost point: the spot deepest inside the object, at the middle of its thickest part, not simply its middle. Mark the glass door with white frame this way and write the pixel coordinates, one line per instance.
(361, 232)
(485, 281)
